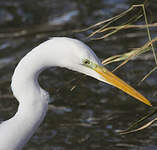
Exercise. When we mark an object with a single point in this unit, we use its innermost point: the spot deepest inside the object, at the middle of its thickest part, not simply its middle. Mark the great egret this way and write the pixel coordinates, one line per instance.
(33, 100)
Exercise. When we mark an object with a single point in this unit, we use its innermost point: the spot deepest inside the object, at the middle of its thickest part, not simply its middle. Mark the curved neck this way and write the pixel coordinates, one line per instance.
(25, 77)
(33, 103)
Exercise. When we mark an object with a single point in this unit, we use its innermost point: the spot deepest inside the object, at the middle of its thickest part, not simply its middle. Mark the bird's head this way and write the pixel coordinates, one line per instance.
(82, 59)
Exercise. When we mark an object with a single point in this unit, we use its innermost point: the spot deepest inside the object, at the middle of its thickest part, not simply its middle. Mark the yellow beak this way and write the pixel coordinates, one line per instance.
(112, 79)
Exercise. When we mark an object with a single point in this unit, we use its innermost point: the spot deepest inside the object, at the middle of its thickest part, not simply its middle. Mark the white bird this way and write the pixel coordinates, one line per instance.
(33, 100)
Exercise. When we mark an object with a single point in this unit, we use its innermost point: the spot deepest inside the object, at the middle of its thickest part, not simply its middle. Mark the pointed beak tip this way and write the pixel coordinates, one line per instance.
(112, 79)
(149, 104)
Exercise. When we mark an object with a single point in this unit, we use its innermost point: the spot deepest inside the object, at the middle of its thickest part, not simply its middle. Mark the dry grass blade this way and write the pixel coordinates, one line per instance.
(115, 29)
(129, 26)
(148, 74)
(136, 52)
(141, 128)
(129, 55)
(108, 20)
(132, 127)
(105, 27)
(124, 56)
(112, 59)
(106, 23)
(109, 34)
(149, 35)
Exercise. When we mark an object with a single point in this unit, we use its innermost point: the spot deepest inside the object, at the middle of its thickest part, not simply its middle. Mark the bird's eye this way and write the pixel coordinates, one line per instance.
(86, 62)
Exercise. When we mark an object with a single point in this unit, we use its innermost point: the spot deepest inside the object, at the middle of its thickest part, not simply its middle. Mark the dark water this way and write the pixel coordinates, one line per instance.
(88, 117)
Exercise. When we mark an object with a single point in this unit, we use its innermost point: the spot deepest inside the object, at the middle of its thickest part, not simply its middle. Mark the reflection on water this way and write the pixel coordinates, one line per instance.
(89, 116)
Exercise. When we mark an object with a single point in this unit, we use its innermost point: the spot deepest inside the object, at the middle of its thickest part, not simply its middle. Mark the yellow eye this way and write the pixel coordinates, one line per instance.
(86, 62)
